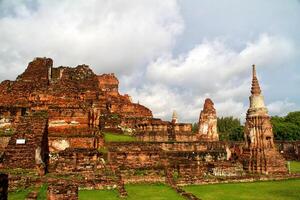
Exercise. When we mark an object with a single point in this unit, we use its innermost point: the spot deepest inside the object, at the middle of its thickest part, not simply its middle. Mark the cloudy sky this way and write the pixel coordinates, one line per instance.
(169, 55)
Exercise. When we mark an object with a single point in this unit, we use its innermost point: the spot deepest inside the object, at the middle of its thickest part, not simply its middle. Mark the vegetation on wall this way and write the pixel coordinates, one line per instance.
(114, 137)
(194, 127)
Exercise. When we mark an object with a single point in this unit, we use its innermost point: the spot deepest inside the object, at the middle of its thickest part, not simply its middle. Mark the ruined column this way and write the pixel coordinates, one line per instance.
(207, 125)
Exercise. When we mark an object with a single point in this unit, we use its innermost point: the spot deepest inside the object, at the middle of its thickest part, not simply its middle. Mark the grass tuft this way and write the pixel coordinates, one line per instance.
(112, 137)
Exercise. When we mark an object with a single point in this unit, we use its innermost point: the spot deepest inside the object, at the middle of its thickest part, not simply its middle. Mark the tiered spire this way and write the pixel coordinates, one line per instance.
(175, 115)
(255, 89)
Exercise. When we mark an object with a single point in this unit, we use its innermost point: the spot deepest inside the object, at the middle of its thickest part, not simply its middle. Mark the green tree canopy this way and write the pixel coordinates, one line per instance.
(230, 128)
(288, 127)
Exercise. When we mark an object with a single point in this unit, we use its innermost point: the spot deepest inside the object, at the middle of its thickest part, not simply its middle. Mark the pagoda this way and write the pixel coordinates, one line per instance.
(259, 152)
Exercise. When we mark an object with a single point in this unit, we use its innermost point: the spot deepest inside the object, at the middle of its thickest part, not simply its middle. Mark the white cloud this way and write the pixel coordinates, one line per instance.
(211, 69)
(281, 108)
(135, 39)
(111, 36)
(215, 63)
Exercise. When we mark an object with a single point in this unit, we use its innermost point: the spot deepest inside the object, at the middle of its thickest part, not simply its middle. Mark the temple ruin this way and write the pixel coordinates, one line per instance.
(260, 154)
(207, 125)
(53, 121)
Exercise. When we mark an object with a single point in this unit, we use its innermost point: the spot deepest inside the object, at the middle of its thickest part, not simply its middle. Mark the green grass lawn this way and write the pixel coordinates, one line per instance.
(275, 190)
(112, 137)
(135, 192)
(22, 194)
(295, 166)
(18, 195)
(98, 194)
(42, 195)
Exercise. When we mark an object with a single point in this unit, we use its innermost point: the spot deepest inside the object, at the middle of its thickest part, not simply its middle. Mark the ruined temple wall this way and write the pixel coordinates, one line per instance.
(31, 151)
(62, 191)
(10, 116)
(150, 153)
(191, 173)
(153, 128)
(67, 118)
(184, 161)
(157, 136)
(182, 127)
(290, 150)
(135, 155)
(192, 146)
(108, 83)
(77, 160)
(39, 66)
(134, 176)
(185, 137)
(57, 144)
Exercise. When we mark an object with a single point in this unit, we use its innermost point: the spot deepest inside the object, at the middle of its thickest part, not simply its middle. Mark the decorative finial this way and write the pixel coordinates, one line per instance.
(175, 117)
(255, 89)
(253, 71)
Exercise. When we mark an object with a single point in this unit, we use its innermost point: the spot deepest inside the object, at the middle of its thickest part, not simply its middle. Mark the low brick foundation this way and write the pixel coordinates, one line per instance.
(62, 191)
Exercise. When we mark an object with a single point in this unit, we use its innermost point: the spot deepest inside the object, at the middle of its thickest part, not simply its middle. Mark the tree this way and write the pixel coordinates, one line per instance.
(288, 127)
(194, 127)
(230, 128)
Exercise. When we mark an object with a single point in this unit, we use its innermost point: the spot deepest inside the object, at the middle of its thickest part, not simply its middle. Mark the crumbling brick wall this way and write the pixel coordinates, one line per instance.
(290, 150)
(78, 160)
(32, 130)
(62, 191)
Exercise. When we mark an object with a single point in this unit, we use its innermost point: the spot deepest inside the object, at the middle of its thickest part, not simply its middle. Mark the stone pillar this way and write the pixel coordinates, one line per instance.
(207, 125)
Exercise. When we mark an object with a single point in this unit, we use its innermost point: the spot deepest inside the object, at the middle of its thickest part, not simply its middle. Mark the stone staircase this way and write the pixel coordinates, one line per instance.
(34, 130)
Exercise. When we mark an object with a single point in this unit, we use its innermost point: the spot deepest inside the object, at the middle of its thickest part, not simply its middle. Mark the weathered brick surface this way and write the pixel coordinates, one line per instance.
(290, 150)
(78, 160)
(207, 125)
(3, 143)
(190, 161)
(259, 153)
(60, 143)
(156, 130)
(62, 191)
(72, 97)
(34, 130)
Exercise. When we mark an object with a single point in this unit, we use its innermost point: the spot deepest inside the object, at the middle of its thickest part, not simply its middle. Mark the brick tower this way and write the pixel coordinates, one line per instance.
(260, 154)
(207, 125)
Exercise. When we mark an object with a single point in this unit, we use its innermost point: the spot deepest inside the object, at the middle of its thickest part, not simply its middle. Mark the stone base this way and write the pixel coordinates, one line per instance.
(264, 162)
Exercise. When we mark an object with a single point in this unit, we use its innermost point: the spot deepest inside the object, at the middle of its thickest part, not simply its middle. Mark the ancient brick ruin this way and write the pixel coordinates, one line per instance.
(53, 120)
(260, 154)
(207, 126)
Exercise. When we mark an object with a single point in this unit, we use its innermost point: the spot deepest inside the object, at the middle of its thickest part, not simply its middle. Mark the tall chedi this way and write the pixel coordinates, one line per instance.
(259, 153)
